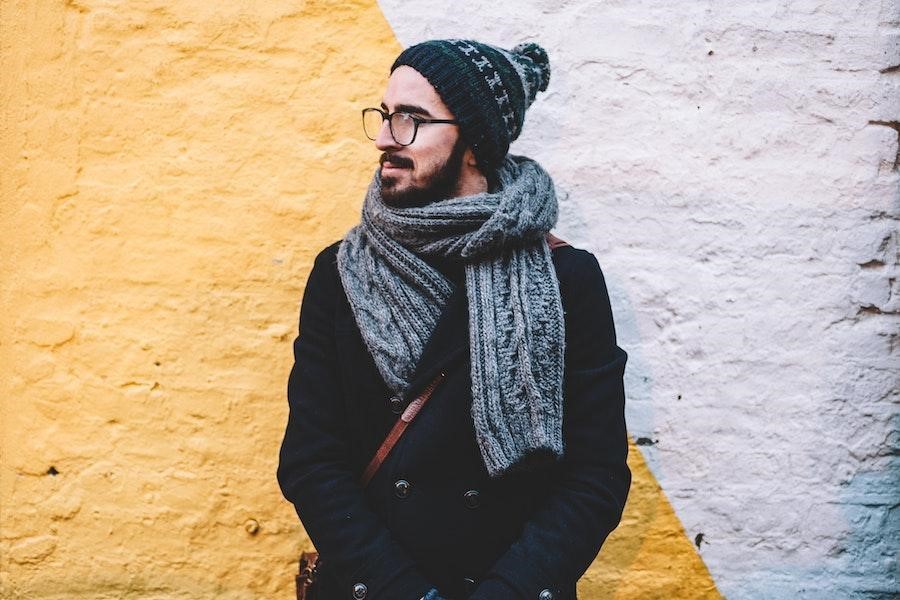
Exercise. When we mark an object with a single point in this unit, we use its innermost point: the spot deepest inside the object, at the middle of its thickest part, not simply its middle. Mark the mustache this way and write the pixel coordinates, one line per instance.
(400, 161)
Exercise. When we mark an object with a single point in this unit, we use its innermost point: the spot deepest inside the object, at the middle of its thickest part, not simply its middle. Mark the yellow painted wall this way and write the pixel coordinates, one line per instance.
(648, 556)
(169, 171)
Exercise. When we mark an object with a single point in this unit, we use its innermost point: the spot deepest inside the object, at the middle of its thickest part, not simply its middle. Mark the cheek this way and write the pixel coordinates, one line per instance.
(422, 166)
(429, 159)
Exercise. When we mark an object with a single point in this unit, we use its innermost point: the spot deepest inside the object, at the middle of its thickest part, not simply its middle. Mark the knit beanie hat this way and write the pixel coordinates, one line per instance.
(486, 88)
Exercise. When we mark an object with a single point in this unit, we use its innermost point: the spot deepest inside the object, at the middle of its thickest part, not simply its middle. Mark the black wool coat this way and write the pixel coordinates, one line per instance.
(431, 516)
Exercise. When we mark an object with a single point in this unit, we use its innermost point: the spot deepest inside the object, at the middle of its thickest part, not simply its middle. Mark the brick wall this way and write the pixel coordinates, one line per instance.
(170, 169)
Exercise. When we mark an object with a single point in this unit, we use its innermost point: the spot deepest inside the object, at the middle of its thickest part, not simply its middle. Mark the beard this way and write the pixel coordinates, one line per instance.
(440, 185)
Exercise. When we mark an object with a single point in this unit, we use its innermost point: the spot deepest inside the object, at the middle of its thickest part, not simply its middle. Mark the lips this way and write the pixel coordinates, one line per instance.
(394, 162)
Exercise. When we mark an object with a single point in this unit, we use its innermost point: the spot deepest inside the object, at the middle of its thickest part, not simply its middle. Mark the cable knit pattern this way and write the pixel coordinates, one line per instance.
(516, 327)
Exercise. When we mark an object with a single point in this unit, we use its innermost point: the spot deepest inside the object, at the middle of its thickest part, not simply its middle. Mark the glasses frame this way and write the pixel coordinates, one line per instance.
(386, 116)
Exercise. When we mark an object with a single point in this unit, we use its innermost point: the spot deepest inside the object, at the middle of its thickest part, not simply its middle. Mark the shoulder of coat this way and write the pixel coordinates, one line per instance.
(575, 265)
(328, 254)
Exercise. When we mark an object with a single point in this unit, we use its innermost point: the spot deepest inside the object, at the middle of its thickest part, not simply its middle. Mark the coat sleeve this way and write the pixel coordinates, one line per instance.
(314, 470)
(564, 535)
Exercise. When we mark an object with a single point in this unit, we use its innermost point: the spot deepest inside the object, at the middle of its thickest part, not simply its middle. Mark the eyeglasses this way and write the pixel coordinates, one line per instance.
(403, 125)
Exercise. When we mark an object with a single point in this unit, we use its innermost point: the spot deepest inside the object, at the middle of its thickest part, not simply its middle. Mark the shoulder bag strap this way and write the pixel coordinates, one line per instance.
(554, 242)
(399, 427)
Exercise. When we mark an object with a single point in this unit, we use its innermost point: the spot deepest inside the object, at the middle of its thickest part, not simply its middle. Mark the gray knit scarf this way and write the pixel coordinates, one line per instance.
(516, 328)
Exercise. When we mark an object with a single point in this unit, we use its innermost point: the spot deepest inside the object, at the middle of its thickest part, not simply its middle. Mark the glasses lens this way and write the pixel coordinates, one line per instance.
(372, 121)
(403, 127)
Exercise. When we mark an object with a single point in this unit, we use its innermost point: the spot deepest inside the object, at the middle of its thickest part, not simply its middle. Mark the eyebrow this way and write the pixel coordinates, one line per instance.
(409, 108)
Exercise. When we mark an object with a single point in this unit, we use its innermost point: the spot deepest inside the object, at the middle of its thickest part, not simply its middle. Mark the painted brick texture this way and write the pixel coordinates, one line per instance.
(168, 171)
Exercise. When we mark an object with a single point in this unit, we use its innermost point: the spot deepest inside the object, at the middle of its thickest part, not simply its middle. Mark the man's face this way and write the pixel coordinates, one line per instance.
(428, 169)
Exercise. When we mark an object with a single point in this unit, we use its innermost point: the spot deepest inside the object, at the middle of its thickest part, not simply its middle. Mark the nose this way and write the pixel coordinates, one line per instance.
(384, 141)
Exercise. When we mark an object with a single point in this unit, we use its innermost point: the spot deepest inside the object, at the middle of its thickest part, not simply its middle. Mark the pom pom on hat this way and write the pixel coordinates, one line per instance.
(538, 56)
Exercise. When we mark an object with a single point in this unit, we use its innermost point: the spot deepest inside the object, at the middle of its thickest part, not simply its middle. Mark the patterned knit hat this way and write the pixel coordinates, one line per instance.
(486, 88)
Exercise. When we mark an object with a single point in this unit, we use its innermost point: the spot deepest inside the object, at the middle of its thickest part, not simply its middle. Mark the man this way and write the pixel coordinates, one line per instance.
(513, 473)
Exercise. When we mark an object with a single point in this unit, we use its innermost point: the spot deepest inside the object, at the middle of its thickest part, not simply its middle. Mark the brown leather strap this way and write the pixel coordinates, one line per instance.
(555, 242)
(307, 575)
(399, 427)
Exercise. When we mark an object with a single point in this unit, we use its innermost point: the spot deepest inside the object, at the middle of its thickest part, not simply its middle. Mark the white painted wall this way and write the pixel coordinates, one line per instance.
(724, 162)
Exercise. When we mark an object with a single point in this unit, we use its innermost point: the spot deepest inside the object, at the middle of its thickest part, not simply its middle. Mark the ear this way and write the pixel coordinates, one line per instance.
(470, 168)
(471, 179)
(469, 158)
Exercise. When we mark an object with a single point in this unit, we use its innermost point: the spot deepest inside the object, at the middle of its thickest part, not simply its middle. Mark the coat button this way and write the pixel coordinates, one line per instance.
(396, 405)
(545, 595)
(468, 585)
(401, 488)
(360, 590)
(471, 499)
